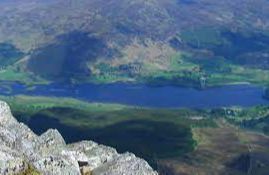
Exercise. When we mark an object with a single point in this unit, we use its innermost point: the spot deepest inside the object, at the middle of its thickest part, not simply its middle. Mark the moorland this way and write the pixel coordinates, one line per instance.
(195, 44)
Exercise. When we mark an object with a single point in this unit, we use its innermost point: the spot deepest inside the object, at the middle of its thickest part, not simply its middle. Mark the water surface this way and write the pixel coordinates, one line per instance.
(148, 96)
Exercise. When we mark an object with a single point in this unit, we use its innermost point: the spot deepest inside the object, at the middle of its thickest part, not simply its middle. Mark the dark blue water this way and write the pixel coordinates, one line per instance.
(147, 96)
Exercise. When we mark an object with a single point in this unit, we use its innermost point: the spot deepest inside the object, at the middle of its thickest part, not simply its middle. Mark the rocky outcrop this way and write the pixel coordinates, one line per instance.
(48, 154)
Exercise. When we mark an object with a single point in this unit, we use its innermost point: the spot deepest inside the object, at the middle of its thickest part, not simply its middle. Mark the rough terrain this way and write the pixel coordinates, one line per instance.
(21, 150)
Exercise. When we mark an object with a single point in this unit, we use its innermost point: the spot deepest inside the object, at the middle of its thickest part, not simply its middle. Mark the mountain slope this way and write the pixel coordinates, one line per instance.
(180, 41)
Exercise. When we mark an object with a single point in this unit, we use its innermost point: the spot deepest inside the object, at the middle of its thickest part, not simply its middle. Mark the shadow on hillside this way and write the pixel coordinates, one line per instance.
(67, 57)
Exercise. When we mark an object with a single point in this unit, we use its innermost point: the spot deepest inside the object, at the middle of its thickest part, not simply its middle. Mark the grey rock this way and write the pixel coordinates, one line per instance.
(126, 164)
(93, 154)
(10, 161)
(55, 165)
(50, 155)
(49, 142)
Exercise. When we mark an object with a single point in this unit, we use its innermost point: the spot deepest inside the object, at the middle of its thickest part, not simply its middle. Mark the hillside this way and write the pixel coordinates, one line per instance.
(181, 42)
(23, 152)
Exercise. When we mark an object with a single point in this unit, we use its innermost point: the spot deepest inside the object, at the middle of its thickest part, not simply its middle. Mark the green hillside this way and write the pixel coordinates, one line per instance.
(197, 44)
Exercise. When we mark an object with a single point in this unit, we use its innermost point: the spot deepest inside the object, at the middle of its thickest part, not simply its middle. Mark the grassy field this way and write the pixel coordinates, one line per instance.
(106, 114)
(28, 106)
(12, 74)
